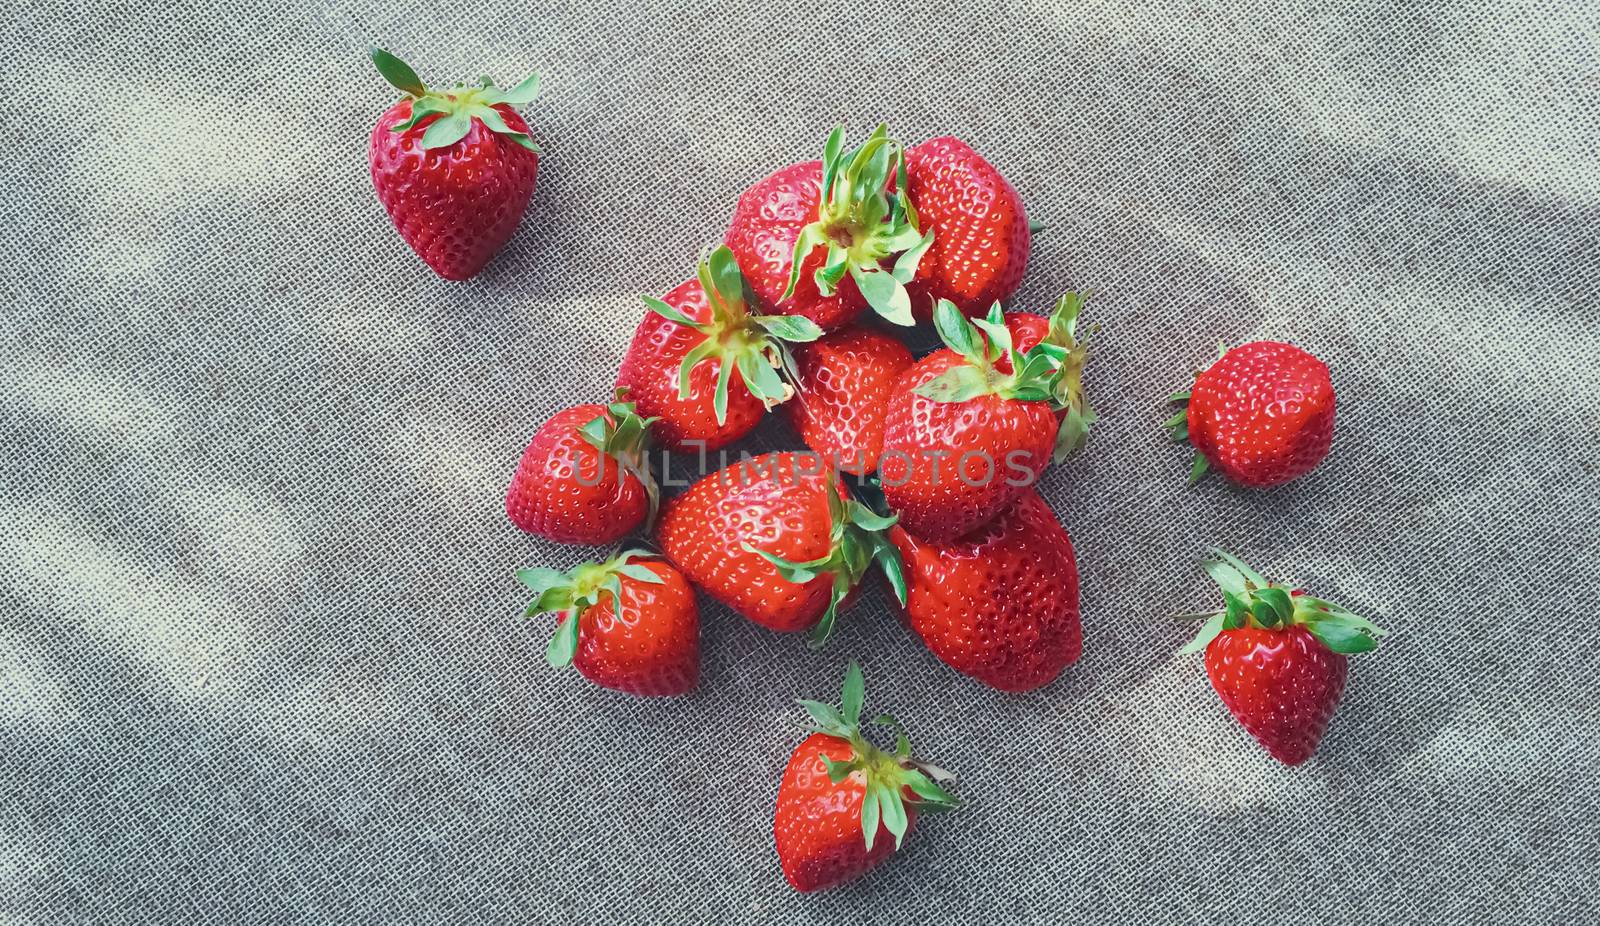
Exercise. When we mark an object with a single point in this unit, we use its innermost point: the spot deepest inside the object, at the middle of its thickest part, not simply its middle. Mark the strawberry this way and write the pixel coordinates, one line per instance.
(584, 477)
(629, 623)
(816, 239)
(845, 381)
(964, 436)
(1060, 328)
(776, 539)
(1261, 415)
(455, 168)
(680, 365)
(1278, 657)
(979, 229)
(843, 799)
(1001, 603)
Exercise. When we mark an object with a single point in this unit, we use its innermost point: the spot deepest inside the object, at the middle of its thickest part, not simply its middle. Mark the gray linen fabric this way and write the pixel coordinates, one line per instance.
(261, 656)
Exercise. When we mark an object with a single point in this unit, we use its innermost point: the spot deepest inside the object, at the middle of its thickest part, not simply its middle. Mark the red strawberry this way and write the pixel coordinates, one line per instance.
(845, 381)
(680, 367)
(454, 168)
(980, 230)
(1060, 329)
(1277, 657)
(584, 477)
(776, 539)
(1000, 604)
(826, 255)
(843, 799)
(1262, 415)
(630, 623)
(964, 437)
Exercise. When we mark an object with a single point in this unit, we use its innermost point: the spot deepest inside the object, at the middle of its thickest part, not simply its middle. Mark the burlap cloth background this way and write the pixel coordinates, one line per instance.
(261, 657)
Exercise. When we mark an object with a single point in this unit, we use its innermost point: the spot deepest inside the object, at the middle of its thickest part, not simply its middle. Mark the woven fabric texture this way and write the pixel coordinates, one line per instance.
(261, 652)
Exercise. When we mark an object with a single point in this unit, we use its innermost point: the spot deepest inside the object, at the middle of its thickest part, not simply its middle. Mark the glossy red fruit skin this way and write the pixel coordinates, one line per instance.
(1003, 445)
(1281, 684)
(649, 372)
(766, 223)
(1000, 604)
(817, 826)
(1263, 413)
(980, 230)
(654, 650)
(846, 379)
(567, 491)
(777, 502)
(456, 206)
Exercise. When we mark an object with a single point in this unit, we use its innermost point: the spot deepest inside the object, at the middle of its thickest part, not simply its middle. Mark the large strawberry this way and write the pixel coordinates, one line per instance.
(680, 366)
(629, 623)
(1000, 604)
(776, 539)
(965, 436)
(845, 805)
(584, 478)
(980, 231)
(825, 240)
(1261, 415)
(454, 168)
(1278, 657)
(846, 378)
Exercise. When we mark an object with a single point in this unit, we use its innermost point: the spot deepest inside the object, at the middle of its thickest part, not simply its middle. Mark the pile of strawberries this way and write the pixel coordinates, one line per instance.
(920, 470)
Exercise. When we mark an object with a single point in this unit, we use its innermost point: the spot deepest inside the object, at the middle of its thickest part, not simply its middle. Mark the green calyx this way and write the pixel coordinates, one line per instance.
(862, 225)
(456, 107)
(1050, 371)
(1254, 601)
(572, 592)
(859, 537)
(625, 437)
(886, 775)
(1178, 425)
(754, 345)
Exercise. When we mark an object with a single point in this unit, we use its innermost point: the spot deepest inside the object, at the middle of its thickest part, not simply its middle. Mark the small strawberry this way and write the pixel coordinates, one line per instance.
(629, 623)
(584, 477)
(970, 428)
(776, 539)
(1278, 657)
(846, 378)
(679, 367)
(1060, 329)
(816, 239)
(842, 798)
(455, 168)
(1000, 604)
(980, 231)
(1262, 415)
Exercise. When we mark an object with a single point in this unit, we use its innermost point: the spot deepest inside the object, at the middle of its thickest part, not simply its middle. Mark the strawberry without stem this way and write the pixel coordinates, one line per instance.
(584, 478)
(844, 805)
(776, 539)
(706, 367)
(845, 382)
(1277, 657)
(1261, 415)
(1000, 604)
(825, 240)
(629, 623)
(455, 168)
(970, 428)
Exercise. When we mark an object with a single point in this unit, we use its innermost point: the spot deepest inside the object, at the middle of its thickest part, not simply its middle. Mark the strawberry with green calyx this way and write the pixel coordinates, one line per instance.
(842, 798)
(585, 476)
(969, 428)
(1262, 414)
(842, 226)
(629, 623)
(455, 169)
(680, 366)
(1277, 657)
(1058, 333)
(776, 539)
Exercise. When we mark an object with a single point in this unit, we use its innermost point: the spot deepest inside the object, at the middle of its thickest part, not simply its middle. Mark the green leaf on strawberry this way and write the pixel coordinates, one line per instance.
(455, 108)
(1253, 601)
(570, 593)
